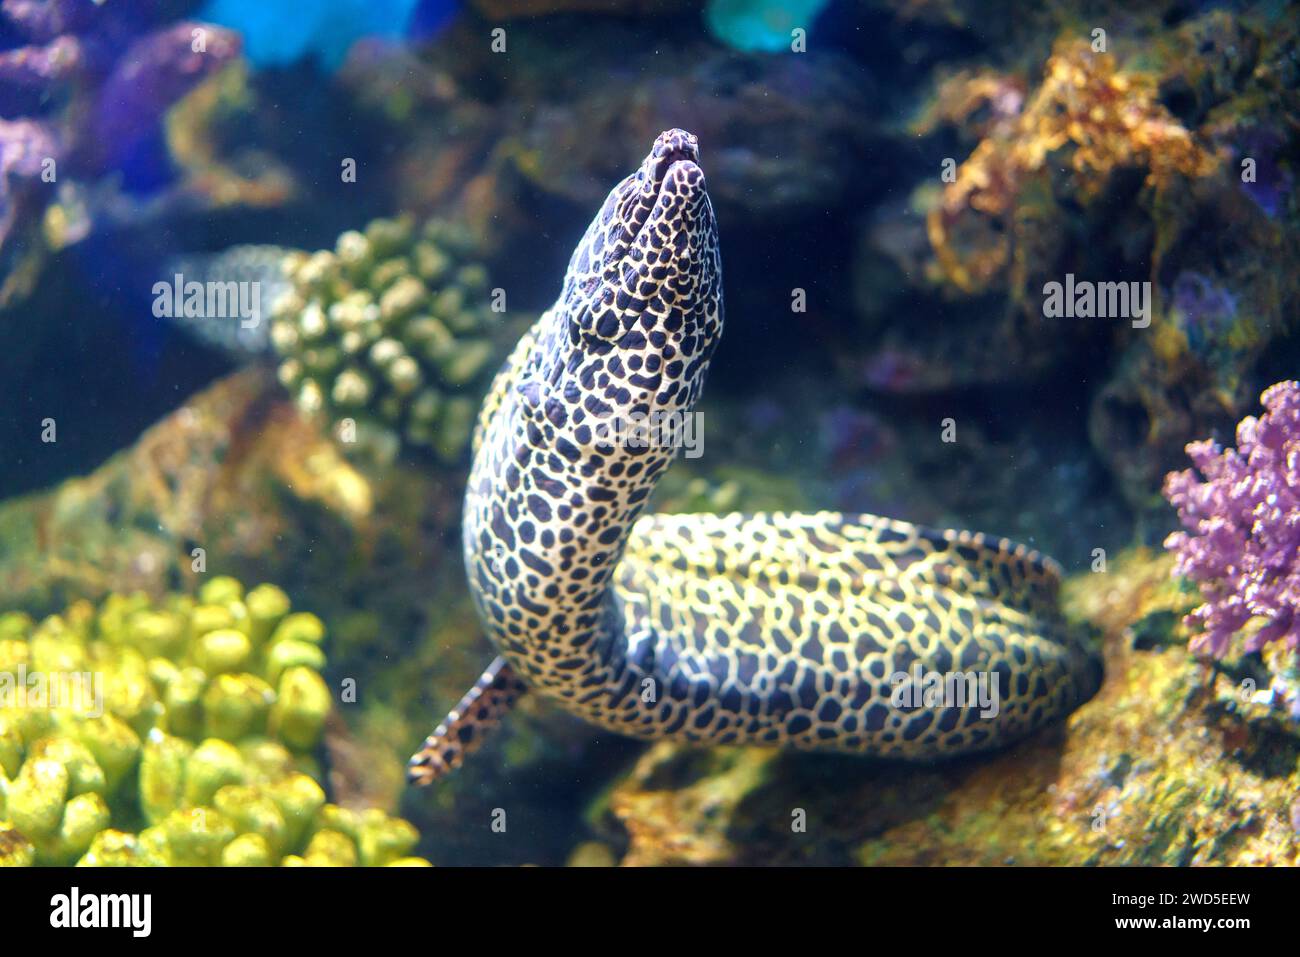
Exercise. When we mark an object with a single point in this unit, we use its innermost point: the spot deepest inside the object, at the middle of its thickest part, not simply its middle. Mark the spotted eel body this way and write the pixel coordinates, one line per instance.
(775, 629)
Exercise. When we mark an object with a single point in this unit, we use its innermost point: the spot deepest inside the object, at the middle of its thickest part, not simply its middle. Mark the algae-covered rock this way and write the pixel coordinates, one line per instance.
(1096, 165)
(183, 754)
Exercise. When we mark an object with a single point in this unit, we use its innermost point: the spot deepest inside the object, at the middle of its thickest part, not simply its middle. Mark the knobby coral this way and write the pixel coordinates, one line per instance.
(1242, 544)
(83, 87)
(174, 733)
(395, 329)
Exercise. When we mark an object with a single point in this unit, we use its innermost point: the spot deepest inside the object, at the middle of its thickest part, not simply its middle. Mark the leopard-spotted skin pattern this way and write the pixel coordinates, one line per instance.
(468, 725)
(797, 630)
(768, 629)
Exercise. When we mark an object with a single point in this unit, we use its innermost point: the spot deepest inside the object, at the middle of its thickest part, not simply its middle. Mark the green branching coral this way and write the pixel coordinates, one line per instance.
(174, 733)
(392, 329)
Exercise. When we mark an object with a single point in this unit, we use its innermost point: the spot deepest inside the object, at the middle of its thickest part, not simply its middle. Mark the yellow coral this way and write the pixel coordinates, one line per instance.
(1086, 114)
(214, 753)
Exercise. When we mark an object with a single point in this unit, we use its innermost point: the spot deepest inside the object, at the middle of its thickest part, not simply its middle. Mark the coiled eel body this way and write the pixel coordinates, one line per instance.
(790, 630)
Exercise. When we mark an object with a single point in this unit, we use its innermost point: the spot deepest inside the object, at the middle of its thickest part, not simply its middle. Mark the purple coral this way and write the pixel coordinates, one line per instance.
(154, 72)
(86, 84)
(1242, 544)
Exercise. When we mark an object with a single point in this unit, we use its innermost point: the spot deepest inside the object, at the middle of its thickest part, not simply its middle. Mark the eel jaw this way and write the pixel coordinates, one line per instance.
(671, 148)
(657, 214)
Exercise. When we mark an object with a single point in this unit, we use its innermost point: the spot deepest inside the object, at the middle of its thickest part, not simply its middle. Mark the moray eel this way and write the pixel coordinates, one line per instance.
(809, 631)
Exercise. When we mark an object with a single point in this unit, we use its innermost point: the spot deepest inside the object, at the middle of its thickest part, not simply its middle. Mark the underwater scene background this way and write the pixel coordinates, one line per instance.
(1030, 270)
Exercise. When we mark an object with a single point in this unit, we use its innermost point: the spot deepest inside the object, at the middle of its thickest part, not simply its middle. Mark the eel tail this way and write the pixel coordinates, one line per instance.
(467, 726)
